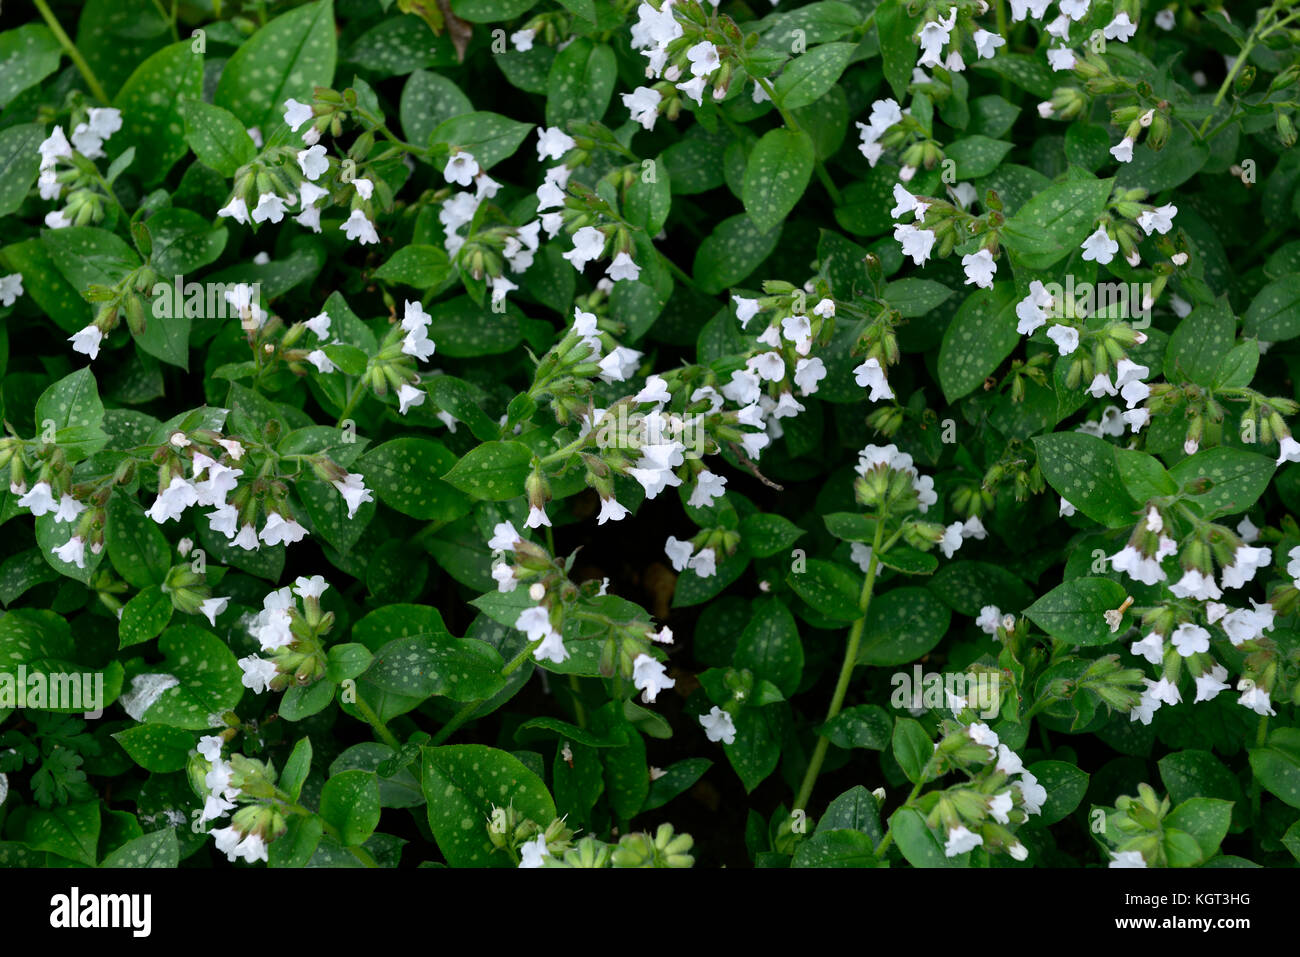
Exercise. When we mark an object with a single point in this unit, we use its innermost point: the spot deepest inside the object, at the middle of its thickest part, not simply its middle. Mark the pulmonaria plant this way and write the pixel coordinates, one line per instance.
(499, 433)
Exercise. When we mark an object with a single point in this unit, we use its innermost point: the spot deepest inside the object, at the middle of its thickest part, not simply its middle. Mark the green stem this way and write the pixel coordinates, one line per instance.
(579, 712)
(1240, 62)
(375, 722)
(71, 50)
(677, 271)
(916, 791)
(790, 123)
(358, 390)
(846, 670)
(467, 711)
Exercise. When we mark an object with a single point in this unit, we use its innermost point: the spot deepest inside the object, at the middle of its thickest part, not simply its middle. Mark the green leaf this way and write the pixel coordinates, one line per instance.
(862, 726)
(1200, 343)
(491, 137)
(210, 680)
(766, 534)
(494, 471)
(903, 624)
(912, 748)
(1084, 471)
(28, 54)
(150, 104)
(216, 136)
(756, 751)
(427, 100)
(776, 176)
(1235, 479)
(462, 784)
(976, 156)
(183, 242)
(350, 802)
(649, 199)
(914, 298)
(463, 329)
(72, 404)
(1055, 222)
(580, 83)
(417, 657)
(1277, 765)
(403, 474)
(297, 845)
(417, 266)
(89, 256)
(807, 77)
(894, 26)
(155, 849)
(1206, 819)
(156, 747)
(1065, 785)
(490, 11)
(770, 647)
(1195, 773)
(71, 831)
(23, 571)
(831, 589)
(135, 545)
(839, 848)
(980, 336)
(917, 842)
(144, 617)
(296, 769)
(286, 59)
(677, 777)
(20, 163)
(1237, 368)
(1075, 611)
(855, 810)
(1274, 313)
(731, 252)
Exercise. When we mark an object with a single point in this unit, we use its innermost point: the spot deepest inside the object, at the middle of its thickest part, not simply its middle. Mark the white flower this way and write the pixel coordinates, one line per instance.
(536, 517)
(649, 677)
(1033, 793)
(1254, 698)
(611, 510)
(708, 487)
(704, 563)
(69, 508)
(980, 268)
(981, 733)
(718, 726)
(916, 243)
(768, 366)
(532, 852)
(296, 114)
(808, 373)
(703, 58)
(313, 162)
(932, 39)
(990, 617)
(623, 268)
(960, 840)
(1000, 805)
(364, 187)
(986, 44)
(210, 608)
(553, 143)
(1121, 28)
(1060, 58)
(871, 376)
(57, 220)
(1099, 247)
(1127, 859)
(173, 501)
(73, 551)
(270, 208)
(1123, 150)
(860, 555)
(1030, 310)
(356, 227)
(258, 673)
(1008, 761)
(1158, 220)
(503, 537)
(1190, 639)
(951, 540)
(643, 105)
(11, 287)
(1196, 585)
(679, 553)
(1210, 683)
(279, 529)
(1065, 337)
(536, 623)
(54, 148)
(588, 244)
(746, 309)
(1165, 19)
(246, 539)
(408, 396)
(1152, 648)
(907, 203)
(461, 168)
(1246, 560)
(39, 500)
(354, 492)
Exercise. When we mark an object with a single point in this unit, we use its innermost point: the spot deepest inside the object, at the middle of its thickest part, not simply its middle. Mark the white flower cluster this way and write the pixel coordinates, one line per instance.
(1025, 791)
(88, 140)
(875, 456)
(272, 629)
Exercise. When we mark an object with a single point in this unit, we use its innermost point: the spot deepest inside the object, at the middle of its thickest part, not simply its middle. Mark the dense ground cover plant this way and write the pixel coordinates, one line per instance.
(583, 433)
